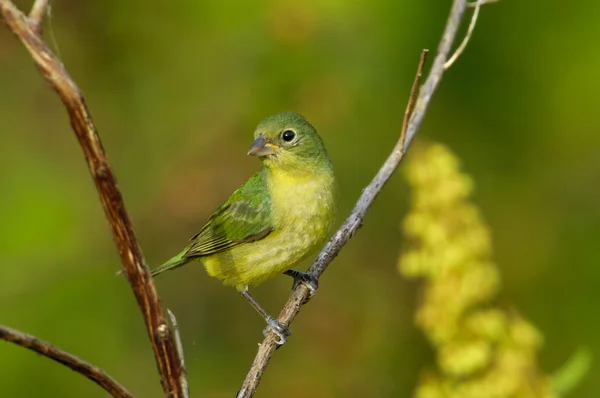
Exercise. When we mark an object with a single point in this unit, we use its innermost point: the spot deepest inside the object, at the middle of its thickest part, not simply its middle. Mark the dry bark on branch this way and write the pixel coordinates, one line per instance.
(28, 30)
(78, 365)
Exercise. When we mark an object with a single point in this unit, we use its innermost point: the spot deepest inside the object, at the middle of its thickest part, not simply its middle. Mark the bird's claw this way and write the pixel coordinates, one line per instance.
(309, 280)
(280, 330)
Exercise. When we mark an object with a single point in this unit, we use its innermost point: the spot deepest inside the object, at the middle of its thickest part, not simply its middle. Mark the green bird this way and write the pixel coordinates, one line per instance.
(281, 215)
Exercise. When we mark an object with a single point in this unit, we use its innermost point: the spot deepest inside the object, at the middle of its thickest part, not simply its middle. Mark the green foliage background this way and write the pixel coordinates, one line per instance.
(176, 89)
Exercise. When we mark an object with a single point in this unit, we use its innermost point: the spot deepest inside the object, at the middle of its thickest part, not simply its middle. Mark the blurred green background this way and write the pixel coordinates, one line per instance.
(176, 89)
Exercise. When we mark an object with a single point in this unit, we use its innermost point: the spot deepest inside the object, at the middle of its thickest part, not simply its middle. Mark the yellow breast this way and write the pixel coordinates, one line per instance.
(303, 209)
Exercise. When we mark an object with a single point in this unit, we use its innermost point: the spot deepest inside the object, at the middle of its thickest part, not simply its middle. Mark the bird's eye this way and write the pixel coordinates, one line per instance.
(288, 135)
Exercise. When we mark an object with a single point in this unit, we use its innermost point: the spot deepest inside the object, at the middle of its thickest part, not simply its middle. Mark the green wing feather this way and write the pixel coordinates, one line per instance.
(245, 217)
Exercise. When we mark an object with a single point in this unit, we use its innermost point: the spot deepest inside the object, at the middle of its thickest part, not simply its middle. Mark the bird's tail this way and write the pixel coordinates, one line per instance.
(173, 263)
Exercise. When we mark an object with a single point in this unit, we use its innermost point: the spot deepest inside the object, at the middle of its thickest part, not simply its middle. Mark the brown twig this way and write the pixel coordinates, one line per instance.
(301, 293)
(138, 275)
(92, 372)
(410, 107)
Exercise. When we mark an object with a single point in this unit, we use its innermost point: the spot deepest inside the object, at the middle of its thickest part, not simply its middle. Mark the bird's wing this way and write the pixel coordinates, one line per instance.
(245, 217)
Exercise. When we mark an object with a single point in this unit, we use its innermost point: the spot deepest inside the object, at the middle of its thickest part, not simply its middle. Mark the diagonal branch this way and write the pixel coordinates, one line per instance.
(300, 293)
(138, 275)
(92, 372)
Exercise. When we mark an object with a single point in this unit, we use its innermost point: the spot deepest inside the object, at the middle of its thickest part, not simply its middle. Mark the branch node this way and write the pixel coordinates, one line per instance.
(36, 17)
(162, 331)
(101, 171)
(461, 48)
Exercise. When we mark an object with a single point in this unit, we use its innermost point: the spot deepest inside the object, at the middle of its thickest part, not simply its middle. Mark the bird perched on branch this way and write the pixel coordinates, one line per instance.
(281, 215)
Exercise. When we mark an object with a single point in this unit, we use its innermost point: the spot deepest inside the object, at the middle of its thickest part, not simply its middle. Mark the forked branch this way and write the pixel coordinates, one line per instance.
(37, 14)
(463, 44)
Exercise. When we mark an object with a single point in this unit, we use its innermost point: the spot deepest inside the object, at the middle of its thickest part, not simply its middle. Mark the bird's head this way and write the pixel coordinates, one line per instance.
(287, 140)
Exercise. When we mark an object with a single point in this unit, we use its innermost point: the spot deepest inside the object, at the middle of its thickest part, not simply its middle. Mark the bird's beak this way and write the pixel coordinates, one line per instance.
(260, 147)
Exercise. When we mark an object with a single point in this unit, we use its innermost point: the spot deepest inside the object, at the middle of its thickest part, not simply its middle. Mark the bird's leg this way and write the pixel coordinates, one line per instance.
(277, 327)
(309, 280)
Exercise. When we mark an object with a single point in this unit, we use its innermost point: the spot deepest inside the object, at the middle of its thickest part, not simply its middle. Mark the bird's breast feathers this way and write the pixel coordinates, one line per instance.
(303, 212)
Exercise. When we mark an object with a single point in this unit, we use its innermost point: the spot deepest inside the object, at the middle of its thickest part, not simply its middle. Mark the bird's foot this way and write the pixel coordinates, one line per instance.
(278, 328)
(308, 280)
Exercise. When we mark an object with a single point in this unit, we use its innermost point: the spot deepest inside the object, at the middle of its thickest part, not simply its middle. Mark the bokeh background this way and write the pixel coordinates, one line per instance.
(176, 89)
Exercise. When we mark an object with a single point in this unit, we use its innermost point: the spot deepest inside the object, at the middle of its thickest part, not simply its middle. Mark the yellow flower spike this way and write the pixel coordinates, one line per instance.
(524, 334)
(482, 351)
(490, 324)
(430, 387)
(415, 223)
(461, 359)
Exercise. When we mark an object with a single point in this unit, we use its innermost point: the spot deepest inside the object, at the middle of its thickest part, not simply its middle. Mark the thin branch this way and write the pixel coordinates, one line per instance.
(437, 70)
(463, 44)
(37, 14)
(92, 372)
(354, 221)
(410, 107)
(138, 274)
(179, 346)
